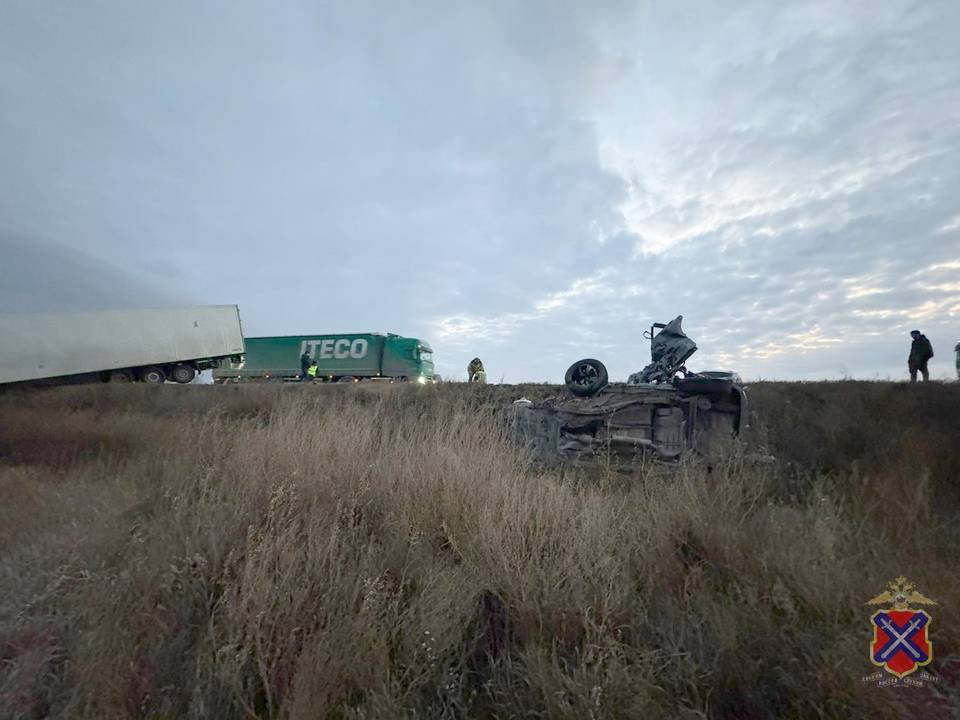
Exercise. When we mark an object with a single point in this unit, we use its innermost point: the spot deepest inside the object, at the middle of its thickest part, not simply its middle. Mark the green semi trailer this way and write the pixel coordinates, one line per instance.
(339, 357)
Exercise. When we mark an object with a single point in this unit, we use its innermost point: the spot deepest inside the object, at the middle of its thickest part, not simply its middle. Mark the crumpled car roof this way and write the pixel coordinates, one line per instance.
(669, 350)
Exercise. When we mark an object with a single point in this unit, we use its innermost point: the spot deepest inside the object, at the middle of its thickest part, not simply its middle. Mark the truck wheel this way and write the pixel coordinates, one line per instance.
(586, 377)
(183, 374)
(153, 375)
(120, 376)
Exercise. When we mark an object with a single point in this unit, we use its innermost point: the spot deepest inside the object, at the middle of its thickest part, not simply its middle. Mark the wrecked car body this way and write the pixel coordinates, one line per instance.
(664, 409)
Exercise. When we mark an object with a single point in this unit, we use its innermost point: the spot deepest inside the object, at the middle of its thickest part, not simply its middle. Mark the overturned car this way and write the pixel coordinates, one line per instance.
(663, 409)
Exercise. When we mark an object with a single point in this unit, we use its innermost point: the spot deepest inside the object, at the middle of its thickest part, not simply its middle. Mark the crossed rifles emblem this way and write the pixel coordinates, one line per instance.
(900, 643)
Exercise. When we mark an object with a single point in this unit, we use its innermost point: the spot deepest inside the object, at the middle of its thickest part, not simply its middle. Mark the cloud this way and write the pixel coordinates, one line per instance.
(363, 163)
(530, 183)
(950, 227)
(799, 211)
(40, 276)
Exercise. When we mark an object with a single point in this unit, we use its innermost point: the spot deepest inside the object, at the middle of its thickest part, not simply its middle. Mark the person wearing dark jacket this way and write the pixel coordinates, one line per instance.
(304, 365)
(920, 353)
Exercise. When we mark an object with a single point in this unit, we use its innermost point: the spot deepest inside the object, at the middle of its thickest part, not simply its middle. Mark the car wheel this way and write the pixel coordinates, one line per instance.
(153, 375)
(183, 374)
(586, 377)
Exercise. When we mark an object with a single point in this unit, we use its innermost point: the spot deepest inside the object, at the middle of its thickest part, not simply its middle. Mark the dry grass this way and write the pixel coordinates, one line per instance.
(305, 552)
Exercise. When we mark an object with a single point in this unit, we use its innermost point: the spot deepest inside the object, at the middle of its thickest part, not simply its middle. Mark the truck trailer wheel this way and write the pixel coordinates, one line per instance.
(153, 375)
(120, 376)
(182, 374)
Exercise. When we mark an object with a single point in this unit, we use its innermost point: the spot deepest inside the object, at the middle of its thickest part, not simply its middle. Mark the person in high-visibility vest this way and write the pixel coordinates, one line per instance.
(312, 371)
(475, 371)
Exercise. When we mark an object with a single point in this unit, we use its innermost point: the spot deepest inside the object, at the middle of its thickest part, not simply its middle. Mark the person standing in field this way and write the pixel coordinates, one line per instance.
(304, 365)
(311, 374)
(475, 371)
(920, 353)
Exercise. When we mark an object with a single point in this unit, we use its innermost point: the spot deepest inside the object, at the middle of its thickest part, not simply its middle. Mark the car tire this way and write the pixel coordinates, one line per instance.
(586, 377)
(153, 375)
(183, 374)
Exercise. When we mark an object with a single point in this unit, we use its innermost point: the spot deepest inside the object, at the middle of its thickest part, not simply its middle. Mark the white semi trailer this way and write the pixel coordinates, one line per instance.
(149, 346)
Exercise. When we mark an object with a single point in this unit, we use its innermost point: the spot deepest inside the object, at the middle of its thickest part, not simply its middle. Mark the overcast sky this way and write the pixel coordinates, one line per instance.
(530, 182)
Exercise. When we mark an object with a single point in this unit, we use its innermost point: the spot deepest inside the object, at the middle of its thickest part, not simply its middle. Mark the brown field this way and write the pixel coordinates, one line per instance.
(352, 552)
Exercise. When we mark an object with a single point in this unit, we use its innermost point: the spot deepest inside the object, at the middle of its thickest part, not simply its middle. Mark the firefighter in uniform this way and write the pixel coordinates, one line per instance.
(475, 371)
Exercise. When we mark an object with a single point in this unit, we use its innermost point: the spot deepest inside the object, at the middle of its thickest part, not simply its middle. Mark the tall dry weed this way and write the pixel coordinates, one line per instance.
(386, 552)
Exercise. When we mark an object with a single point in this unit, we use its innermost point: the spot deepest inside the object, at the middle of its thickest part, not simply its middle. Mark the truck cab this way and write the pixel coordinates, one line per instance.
(408, 358)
